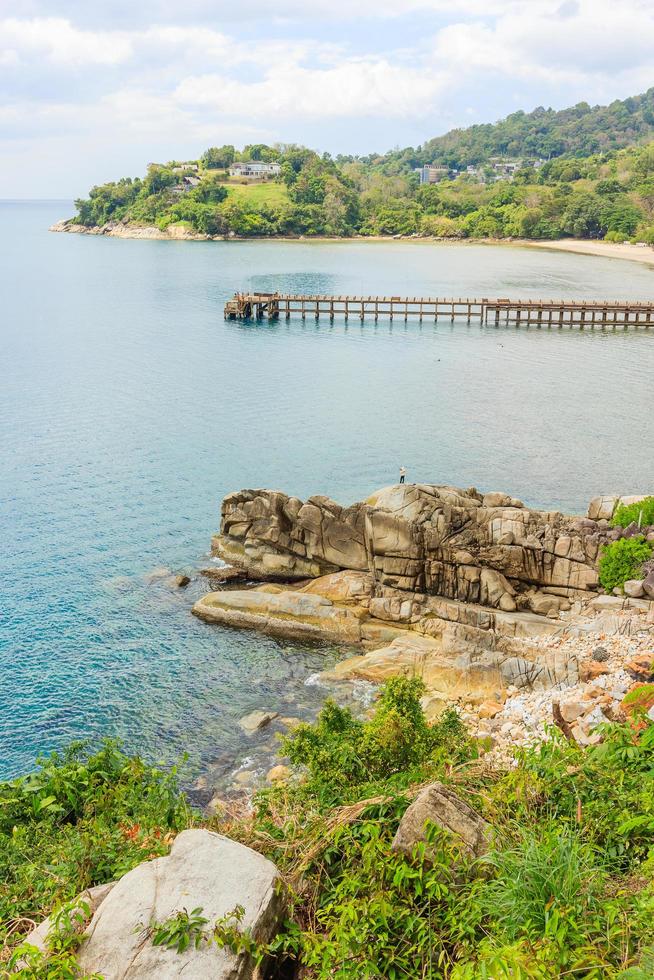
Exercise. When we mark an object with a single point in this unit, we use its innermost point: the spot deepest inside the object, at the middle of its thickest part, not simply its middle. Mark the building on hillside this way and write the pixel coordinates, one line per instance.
(255, 170)
(185, 167)
(505, 169)
(185, 185)
(431, 174)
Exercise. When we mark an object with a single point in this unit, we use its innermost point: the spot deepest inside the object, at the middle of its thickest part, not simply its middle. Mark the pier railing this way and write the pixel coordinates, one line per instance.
(539, 312)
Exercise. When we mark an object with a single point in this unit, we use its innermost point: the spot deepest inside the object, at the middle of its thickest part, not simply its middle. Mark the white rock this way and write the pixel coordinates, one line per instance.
(203, 870)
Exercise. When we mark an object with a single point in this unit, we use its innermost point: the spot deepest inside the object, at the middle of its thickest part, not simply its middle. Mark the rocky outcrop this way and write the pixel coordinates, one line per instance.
(123, 229)
(203, 870)
(438, 804)
(486, 549)
(472, 592)
(291, 614)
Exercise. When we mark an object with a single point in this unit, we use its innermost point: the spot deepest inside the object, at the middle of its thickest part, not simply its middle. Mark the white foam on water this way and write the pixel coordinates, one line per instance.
(313, 680)
(364, 692)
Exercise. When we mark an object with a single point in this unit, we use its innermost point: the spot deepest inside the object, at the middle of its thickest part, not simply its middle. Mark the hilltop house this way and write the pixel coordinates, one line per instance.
(185, 185)
(255, 170)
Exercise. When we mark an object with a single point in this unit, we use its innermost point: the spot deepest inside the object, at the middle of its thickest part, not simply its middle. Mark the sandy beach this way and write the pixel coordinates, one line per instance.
(607, 250)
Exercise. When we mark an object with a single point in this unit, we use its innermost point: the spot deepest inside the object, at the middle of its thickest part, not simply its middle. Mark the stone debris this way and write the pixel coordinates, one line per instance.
(595, 699)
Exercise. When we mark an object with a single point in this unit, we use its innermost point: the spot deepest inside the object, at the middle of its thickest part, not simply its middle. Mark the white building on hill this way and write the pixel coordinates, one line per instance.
(255, 170)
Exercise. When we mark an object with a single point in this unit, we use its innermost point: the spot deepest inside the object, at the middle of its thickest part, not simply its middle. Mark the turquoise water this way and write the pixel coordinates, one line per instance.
(128, 408)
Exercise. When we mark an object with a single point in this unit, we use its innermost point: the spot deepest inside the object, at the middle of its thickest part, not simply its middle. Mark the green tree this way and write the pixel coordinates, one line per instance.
(218, 157)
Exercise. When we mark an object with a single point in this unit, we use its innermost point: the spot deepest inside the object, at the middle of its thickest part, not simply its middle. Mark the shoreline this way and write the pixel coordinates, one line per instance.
(592, 247)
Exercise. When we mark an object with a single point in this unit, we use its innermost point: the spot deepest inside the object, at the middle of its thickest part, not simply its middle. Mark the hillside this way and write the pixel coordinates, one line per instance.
(578, 131)
(605, 196)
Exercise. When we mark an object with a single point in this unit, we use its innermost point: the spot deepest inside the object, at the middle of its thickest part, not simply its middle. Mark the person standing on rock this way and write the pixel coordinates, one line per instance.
(402, 473)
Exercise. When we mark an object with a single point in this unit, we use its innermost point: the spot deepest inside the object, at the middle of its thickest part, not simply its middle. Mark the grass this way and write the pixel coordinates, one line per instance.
(266, 192)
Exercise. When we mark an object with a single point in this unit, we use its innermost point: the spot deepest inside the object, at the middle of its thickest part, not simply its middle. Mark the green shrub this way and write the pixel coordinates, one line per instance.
(546, 876)
(623, 560)
(642, 513)
(340, 751)
(79, 820)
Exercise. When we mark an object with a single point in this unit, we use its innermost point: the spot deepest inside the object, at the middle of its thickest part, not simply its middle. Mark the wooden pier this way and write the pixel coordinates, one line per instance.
(492, 312)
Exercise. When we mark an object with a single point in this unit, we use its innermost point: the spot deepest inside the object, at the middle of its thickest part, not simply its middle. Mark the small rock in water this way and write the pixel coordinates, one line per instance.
(157, 574)
(181, 581)
(245, 777)
(257, 720)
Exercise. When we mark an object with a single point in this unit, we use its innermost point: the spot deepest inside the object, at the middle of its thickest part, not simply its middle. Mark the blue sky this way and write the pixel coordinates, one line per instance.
(91, 91)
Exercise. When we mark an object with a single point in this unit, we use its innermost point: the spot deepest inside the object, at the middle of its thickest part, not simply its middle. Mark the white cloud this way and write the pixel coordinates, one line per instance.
(565, 43)
(63, 44)
(356, 87)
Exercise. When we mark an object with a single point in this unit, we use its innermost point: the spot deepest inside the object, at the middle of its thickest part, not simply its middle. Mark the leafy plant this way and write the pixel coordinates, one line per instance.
(81, 819)
(642, 513)
(180, 931)
(339, 750)
(623, 560)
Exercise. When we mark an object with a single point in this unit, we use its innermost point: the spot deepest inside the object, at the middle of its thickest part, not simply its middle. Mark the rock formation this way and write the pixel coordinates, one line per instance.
(450, 583)
(488, 549)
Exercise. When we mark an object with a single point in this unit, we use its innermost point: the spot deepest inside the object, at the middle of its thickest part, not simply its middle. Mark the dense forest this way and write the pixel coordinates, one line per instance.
(608, 193)
(578, 131)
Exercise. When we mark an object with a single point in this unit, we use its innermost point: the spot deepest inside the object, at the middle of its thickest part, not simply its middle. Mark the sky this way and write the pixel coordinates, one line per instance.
(91, 90)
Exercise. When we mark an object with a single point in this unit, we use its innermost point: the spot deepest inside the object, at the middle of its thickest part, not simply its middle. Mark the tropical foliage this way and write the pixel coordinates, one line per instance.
(567, 888)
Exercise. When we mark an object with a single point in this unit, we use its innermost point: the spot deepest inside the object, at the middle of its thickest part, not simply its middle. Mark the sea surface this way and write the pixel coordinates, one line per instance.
(129, 407)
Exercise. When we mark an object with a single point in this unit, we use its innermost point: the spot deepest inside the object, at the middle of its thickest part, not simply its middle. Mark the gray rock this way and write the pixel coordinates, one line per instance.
(634, 588)
(601, 654)
(648, 585)
(438, 804)
(204, 870)
(257, 719)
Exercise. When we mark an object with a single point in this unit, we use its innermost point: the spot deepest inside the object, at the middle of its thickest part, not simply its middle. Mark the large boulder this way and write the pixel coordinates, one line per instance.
(203, 870)
(438, 804)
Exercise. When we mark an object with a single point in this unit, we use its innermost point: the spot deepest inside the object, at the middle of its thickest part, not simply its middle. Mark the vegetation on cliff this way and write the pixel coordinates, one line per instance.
(566, 890)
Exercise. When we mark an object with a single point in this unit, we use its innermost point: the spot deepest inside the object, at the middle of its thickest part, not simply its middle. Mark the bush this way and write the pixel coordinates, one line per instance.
(341, 751)
(623, 560)
(79, 820)
(642, 513)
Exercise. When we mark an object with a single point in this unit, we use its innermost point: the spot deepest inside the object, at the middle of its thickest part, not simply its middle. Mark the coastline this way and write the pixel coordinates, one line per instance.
(606, 250)
(175, 233)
